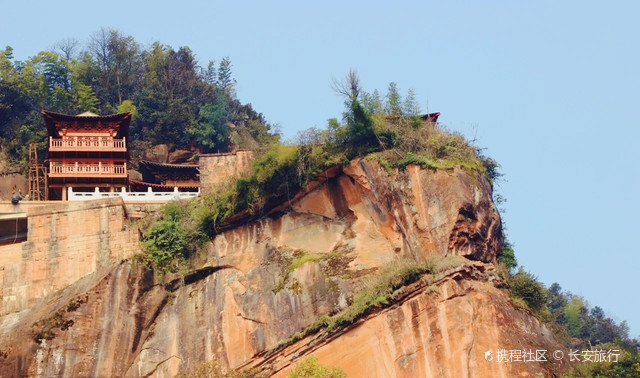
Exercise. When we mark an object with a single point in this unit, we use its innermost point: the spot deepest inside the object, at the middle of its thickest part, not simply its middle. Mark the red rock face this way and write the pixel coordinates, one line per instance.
(248, 294)
(437, 330)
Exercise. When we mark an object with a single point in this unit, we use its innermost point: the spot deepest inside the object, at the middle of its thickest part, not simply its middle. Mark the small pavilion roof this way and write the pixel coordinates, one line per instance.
(430, 117)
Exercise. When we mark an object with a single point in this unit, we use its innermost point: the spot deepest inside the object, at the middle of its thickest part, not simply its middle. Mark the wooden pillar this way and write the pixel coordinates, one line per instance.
(64, 192)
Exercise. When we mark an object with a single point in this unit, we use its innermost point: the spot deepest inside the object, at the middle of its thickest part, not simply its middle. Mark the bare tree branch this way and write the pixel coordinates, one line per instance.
(349, 86)
(67, 47)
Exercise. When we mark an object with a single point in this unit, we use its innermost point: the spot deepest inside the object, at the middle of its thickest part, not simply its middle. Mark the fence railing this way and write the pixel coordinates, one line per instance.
(87, 144)
(87, 170)
(148, 196)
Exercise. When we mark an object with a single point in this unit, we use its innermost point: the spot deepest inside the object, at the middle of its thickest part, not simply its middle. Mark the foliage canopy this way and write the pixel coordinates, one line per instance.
(174, 100)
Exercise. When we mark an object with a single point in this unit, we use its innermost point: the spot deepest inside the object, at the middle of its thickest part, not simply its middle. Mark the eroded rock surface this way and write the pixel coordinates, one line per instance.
(251, 291)
(438, 330)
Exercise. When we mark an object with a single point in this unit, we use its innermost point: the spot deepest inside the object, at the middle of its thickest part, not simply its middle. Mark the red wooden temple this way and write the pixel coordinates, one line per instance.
(87, 151)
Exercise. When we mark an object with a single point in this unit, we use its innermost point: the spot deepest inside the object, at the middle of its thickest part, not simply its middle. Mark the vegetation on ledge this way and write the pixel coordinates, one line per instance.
(377, 291)
(215, 369)
(392, 133)
(310, 368)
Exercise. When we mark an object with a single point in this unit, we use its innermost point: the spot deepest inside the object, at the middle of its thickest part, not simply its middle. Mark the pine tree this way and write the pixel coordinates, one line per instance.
(225, 81)
(394, 100)
(410, 107)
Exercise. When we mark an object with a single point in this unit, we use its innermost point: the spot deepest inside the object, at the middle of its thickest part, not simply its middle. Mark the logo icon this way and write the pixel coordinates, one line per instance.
(488, 356)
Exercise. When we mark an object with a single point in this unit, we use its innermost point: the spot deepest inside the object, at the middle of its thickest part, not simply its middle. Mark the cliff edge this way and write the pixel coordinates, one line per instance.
(260, 282)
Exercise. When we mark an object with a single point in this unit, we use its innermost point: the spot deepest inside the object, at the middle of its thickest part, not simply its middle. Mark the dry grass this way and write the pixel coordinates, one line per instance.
(377, 291)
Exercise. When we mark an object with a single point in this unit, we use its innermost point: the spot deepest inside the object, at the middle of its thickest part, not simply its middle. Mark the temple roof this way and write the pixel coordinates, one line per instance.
(154, 166)
(87, 120)
(142, 184)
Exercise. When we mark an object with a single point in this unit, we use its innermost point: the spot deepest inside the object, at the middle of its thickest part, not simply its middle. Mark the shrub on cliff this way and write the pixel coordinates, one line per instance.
(215, 369)
(525, 286)
(165, 240)
(507, 256)
(309, 368)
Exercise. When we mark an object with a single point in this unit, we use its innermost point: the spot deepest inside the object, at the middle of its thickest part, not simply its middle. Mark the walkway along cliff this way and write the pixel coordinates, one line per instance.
(261, 281)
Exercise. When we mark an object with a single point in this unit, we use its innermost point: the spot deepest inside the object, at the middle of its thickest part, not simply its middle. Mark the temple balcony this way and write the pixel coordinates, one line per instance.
(88, 144)
(87, 170)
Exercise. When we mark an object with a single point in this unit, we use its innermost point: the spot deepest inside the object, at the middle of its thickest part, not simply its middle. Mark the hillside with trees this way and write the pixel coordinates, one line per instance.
(174, 99)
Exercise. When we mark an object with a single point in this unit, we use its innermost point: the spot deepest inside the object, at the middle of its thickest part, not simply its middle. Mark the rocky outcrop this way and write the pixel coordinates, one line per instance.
(262, 280)
(161, 153)
(158, 153)
(440, 329)
(180, 156)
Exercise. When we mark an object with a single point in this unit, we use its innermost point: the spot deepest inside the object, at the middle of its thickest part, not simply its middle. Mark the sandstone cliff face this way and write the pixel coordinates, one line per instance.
(439, 330)
(251, 291)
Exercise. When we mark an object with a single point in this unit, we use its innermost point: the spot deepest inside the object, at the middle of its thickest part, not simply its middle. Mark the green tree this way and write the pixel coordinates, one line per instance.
(576, 313)
(556, 302)
(86, 99)
(47, 79)
(128, 106)
(85, 72)
(393, 105)
(372, 103)
(209, 74)
(358, 137)
(225, 80)
(126, 64)
(524, 285)
(603, 329)
(212, 130)
(8, 71)
(361, 137)
(15, 102)
(507, 256)
(169, 103)
(119, 64)
(410, 106)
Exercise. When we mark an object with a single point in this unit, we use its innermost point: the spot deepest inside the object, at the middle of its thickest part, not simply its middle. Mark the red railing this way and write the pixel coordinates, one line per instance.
(87, 143)
(87, 170)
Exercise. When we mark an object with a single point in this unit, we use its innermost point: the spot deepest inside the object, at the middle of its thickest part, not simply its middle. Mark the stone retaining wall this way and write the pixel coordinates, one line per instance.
(66, 241)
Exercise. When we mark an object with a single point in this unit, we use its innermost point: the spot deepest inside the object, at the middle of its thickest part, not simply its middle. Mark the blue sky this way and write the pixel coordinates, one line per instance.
(547, 87)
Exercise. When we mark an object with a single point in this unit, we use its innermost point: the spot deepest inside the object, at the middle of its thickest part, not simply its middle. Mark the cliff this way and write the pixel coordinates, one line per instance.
(261, 281)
